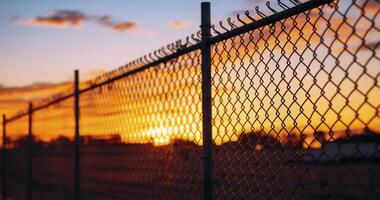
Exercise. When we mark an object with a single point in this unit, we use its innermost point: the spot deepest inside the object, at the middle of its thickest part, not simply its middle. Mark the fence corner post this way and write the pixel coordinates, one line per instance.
(4, 160)
(30, 149)
(77, 137)
(206, 101)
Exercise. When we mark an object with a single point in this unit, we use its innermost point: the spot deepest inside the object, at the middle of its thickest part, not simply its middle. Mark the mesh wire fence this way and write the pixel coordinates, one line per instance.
(16, 159)
(295, 116)
(296, 107)
(143, 131)
(53, 151)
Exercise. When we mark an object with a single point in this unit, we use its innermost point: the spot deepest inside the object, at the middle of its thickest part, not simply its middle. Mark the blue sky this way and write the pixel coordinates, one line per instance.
(30, 54)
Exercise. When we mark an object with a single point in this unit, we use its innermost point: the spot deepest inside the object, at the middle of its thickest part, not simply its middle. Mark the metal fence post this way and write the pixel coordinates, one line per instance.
(4, 160)
(29, 153)
(206, 101)
(77, 137)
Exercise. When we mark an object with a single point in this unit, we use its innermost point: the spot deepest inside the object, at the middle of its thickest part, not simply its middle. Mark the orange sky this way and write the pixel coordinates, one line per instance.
(164, 104)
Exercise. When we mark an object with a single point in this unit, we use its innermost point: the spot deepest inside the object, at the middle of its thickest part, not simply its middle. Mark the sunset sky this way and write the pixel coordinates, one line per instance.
(43, 44)
(97, 36)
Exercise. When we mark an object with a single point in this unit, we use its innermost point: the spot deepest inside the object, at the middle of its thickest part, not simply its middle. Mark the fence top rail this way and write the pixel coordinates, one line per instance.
(190, 43)
(264, 19)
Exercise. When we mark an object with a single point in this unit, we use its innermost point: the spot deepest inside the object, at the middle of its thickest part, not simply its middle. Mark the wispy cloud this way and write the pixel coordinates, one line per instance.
(179, 24)
(115, 25)
(75, 18)
(59, 19)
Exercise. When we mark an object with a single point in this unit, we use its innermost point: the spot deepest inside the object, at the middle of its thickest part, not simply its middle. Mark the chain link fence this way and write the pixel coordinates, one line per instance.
(16, 158)
(294, 114)
(296, 106)
(142, 131)
(53, 151)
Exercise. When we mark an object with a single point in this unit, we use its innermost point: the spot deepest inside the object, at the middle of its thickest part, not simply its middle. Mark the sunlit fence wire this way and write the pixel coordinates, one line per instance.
(298, 100)
(295, 115)
(53, 152)
(150, 109)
